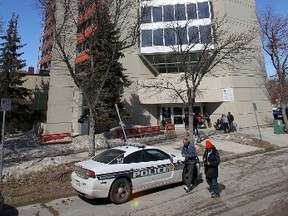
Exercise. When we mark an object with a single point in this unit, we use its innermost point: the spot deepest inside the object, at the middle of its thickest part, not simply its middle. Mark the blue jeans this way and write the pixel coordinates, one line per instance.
(195, 130)
(212, 182)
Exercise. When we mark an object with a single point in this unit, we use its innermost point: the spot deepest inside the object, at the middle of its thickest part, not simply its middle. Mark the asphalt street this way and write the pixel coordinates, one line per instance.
(256, 183)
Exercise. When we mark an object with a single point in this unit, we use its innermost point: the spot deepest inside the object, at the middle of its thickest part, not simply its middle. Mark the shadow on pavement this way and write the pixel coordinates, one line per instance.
(221, 187)
(8, 210)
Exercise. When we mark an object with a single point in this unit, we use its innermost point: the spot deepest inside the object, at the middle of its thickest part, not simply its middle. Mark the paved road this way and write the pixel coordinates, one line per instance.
(255, 185)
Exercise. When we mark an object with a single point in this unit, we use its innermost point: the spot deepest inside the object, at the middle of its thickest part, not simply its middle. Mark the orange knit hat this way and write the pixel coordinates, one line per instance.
(209, 145)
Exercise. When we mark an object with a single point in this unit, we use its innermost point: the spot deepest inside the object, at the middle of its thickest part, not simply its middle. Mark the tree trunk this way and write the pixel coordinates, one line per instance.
(191, 117)
(284, 115)
(91, 147)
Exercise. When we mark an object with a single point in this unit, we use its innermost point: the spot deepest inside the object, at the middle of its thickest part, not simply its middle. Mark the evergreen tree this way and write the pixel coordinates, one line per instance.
(10, 80)
(104, 78)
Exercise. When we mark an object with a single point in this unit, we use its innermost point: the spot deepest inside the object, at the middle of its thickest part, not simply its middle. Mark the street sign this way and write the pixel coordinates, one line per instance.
(5, 104)
(254, 107)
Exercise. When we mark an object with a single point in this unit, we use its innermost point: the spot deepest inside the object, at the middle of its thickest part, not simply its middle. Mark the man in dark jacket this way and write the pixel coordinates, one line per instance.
(230, 118)
(189, 152)
(211, 161)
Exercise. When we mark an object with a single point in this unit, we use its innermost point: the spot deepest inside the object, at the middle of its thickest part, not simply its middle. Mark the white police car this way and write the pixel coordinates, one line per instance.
(120, 171)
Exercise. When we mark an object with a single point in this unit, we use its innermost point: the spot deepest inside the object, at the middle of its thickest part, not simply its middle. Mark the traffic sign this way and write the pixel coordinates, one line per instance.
(5, 104)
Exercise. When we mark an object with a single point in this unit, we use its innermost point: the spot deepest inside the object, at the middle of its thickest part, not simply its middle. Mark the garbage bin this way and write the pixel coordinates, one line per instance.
(278, 126)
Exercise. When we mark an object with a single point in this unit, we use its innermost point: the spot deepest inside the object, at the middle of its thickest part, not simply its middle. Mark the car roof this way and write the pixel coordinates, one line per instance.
(133, 147)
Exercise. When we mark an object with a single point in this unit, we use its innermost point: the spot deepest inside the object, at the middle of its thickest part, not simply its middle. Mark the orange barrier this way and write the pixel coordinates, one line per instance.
(140, 131)
(55, 138)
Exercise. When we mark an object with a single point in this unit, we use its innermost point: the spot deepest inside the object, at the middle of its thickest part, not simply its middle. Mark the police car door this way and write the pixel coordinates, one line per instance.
(140, 176)
(162, 166)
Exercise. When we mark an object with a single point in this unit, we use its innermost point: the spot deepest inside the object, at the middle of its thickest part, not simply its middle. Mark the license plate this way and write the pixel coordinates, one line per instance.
(77, 183)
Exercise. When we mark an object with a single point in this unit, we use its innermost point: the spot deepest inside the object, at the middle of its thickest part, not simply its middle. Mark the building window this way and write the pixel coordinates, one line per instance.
(146, 14)
(180, 12)
(181, 36)
(157, 14)
(168, 13)
(191, 11)
(205, 34)
(169, 35)
(158, 37)
(193, 33)
(146, 38)
(203, 9)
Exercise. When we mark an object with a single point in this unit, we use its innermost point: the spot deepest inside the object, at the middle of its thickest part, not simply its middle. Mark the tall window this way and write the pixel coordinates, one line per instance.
(168, 13)
(169, 35)
(146, 14)
(203, 9)
(181, 36)
(191, 11)
(205, 34)
(193, 33)
(180, 13)
(158, 37)
(157, 14)
(146, 38)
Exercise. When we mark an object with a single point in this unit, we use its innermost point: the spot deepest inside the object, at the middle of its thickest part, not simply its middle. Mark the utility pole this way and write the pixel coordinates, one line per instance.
(5, 106)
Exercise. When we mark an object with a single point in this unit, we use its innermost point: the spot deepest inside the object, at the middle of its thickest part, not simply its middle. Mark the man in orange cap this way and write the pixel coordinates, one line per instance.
(211, 161)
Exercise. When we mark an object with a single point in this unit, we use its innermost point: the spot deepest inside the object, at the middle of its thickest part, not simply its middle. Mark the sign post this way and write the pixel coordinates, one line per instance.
(5, 106)
(255, 109)
(121, 123)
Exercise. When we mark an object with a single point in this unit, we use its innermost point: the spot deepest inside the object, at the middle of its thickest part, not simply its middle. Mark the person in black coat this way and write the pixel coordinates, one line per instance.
(211, 161)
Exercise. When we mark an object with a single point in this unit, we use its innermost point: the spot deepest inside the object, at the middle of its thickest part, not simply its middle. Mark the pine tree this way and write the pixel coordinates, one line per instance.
(10, 80)
(103, 68)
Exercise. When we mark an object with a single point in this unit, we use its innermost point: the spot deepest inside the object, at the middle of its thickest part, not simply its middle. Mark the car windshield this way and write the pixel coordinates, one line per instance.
(108, 156)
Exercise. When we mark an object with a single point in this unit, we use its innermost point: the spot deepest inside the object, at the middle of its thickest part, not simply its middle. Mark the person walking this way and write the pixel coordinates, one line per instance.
(195, 125)
(211, 161)
(189, 152)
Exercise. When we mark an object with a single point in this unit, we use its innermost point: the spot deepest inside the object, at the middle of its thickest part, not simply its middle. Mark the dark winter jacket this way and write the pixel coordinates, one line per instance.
(211, 156)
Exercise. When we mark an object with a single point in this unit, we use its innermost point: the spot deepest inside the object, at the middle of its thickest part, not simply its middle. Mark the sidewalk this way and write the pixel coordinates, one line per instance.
(225, 143)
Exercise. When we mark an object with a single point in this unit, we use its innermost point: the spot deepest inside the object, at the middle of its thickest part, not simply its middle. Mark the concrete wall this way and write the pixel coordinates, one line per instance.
(64, 97)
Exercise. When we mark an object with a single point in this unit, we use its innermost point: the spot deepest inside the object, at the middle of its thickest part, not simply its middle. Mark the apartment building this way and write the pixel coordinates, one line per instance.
(151, 59)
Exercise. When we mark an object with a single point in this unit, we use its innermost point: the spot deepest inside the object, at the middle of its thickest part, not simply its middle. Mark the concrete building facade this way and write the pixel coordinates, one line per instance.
(223, 90)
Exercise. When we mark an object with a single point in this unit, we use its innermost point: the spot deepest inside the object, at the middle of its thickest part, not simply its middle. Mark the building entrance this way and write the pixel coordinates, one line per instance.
(175, 114)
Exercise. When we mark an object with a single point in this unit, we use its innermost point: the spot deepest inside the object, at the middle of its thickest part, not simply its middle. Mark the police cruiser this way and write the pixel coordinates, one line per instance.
(120, 171)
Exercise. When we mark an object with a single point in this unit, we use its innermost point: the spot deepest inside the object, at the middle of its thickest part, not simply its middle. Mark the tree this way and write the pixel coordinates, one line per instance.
(208, 47)
(274, 28)
(11, 81)
(272, 90)
(100, 77)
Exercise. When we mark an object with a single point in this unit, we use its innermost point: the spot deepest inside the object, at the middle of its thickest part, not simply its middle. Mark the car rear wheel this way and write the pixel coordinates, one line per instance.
(120, 191)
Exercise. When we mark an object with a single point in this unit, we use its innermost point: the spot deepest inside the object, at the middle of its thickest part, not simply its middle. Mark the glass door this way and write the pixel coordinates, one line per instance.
(178, 116)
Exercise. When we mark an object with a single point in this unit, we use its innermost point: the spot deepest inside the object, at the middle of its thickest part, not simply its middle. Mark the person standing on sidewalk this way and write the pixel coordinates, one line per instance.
(225, 123)
(230, 118)
(211, 161)
(189, 152)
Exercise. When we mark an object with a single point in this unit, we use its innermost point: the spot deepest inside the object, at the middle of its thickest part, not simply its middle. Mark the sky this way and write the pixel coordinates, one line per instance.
(30, 19)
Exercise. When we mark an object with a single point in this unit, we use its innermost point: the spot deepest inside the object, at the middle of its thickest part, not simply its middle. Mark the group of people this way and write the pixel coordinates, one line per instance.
(211, 160)
(226, 123)
(199, 121)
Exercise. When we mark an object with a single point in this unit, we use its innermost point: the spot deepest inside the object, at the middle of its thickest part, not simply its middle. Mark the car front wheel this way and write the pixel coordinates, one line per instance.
(120, 191)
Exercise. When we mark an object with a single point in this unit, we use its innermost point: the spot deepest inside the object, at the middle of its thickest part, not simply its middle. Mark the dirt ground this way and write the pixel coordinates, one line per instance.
(47, 184)
(54, 181)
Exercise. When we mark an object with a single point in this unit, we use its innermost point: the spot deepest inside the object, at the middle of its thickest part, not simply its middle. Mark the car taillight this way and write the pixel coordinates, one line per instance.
(84, 172)
(91, 174)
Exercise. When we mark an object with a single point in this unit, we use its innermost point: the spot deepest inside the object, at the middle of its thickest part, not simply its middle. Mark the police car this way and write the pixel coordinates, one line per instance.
(120, 171)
